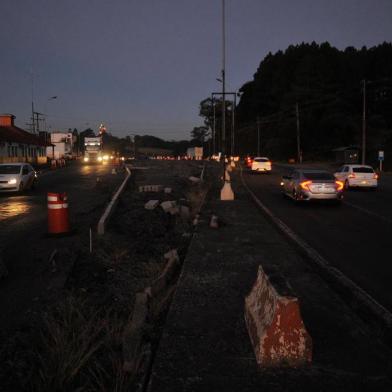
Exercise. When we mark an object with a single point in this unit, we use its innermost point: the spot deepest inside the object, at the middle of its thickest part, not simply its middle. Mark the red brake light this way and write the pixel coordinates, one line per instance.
(352, 175)
(305, 185)
(375, 176)
(339, 185)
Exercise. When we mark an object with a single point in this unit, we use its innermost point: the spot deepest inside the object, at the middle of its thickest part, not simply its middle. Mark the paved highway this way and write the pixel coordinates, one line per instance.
(355, 237)
(24, 245)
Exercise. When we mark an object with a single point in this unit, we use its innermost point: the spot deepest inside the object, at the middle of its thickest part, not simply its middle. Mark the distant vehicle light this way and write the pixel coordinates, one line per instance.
(12, 181)
(105, 157)
(111, 156)
(85, 159)
(281, 183)
(339, 185)
(305, 185)
(375, 176)
(122, 158)
(99, 159)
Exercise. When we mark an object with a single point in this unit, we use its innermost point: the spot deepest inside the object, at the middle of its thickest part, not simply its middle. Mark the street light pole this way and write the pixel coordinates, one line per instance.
(223, 91)
(364, 122)
(46, 102)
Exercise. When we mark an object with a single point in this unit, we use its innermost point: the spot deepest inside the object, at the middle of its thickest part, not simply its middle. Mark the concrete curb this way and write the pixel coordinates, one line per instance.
(357, 298)
(109, 209)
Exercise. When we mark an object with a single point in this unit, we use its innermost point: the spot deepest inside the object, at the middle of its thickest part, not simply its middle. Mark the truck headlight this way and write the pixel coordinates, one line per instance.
(12, 181)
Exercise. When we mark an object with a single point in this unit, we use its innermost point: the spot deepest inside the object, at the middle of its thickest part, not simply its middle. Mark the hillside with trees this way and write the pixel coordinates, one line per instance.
(318, 89)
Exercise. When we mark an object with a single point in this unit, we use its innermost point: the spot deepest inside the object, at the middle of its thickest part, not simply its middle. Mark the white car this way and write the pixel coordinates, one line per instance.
(357, 176)
(16, 177)
(261, 164)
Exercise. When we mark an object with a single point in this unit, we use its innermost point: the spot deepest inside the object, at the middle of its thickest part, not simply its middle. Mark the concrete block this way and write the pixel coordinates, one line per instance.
(167, 205)
(195, 180)
(226, 192)
(275, 326)
(151, 204)
(214, 222)
(150, 188)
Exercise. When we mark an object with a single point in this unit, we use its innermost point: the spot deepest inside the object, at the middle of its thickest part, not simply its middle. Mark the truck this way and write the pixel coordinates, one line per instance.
(93, 150)
(195, 153)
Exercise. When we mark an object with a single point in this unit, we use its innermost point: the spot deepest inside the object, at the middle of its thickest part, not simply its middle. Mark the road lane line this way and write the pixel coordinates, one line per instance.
(341, 283)
(368, 212)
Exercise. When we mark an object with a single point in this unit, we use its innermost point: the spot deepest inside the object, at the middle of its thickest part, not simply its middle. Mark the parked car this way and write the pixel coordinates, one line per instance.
(261, 164)
(311, 184)
(357, 176)
(16, 177)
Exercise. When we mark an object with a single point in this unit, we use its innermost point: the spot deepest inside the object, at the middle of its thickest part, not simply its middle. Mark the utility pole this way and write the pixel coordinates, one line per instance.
(233, 126)
(364, 122)
(258, 136)
(223, 91)
(213, 126)
(299, 155)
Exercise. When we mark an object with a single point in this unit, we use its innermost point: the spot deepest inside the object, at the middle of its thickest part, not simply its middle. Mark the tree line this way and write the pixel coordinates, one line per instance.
(316, 91)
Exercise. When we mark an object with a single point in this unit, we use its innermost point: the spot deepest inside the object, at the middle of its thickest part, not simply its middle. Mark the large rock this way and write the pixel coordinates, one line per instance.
(274, 323)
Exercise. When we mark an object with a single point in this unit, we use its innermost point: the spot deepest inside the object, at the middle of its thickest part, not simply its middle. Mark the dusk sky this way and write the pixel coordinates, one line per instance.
(143, 66)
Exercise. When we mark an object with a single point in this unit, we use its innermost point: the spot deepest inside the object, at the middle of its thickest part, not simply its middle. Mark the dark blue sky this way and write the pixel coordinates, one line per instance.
(143, 66)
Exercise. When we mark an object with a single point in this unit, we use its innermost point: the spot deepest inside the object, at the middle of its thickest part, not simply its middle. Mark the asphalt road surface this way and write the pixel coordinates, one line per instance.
(355, 237)
(24, 245)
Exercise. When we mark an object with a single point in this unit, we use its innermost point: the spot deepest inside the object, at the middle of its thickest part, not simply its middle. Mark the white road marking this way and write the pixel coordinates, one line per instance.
(366, 211)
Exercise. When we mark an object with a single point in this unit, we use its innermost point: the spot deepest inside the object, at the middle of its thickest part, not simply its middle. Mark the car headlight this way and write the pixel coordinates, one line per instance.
(12, 181)
(85, 159)
(106, 157)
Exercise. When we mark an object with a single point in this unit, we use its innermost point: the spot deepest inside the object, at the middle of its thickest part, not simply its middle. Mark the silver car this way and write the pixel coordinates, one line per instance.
(16, 177)
(311, 184)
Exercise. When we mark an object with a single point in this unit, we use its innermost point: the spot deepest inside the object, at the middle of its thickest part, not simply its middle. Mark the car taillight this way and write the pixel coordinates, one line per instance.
(375, 176)
(269, 162)
(351, 175)
(305, 185)
(339, 185)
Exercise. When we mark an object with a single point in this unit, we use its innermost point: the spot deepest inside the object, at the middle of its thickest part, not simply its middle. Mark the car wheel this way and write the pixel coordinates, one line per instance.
(346, 185)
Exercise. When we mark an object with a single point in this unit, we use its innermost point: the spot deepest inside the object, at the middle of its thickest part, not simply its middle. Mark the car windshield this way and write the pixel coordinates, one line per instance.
(363, 170)
(318, 176)
(9, 169)
(261, 160)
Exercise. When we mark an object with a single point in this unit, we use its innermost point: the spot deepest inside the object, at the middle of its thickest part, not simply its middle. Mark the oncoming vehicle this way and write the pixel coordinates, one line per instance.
(16, 177)
(311, 184)
(357, 176)
(261, 164)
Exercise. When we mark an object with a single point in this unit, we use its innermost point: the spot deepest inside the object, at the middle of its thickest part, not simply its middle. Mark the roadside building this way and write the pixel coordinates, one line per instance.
(63, 145)
(18, 145)
(349, 154)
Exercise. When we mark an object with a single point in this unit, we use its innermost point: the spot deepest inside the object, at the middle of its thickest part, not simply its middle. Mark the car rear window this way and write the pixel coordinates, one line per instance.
(318, 176)
(363, 170)
(9, 169)
(261, 160)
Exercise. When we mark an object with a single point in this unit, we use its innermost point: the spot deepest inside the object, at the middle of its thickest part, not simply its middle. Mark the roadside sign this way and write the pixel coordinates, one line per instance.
(381, 155)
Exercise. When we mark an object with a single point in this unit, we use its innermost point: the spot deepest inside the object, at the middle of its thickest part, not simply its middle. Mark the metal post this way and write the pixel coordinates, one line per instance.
(364, 122)
(299, 155)
(258, 137)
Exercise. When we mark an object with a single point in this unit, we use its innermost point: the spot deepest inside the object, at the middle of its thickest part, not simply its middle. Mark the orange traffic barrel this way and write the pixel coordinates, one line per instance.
(58, 222)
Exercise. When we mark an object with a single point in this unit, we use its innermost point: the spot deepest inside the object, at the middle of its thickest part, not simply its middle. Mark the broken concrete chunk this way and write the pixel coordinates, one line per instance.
(195, 180)
(151, 204)
(214, 222)
(167, 205)
(275, 325)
